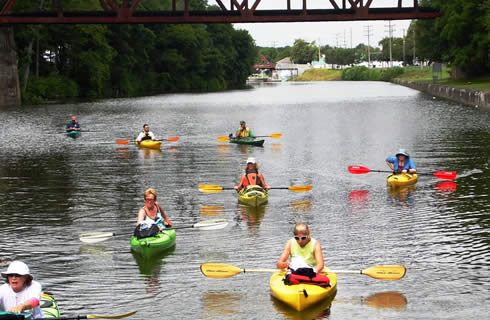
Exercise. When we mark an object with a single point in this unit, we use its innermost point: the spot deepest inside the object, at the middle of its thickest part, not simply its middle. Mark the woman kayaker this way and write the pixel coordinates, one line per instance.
(303, 249)
(20, 293)
(252, 176)
(73, 125)
(152, 212)
(243, 130)
(401, 163)
(146, 134)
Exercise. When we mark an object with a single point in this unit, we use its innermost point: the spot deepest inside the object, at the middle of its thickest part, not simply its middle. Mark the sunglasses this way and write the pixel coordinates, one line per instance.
(300, 238)
(147, 199)
(16, 275)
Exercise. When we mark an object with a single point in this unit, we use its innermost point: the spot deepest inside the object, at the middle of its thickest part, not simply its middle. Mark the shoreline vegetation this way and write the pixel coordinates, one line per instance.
(418, 74)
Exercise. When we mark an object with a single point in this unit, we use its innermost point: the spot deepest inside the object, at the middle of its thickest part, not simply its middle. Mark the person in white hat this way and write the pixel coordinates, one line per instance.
(252, 176)
(20, 292)
(401, 162)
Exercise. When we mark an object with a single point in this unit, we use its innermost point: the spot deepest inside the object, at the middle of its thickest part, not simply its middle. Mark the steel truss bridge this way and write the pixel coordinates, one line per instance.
(245, 11)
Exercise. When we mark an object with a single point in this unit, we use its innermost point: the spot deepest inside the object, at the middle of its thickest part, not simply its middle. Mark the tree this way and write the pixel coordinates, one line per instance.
(302, 52)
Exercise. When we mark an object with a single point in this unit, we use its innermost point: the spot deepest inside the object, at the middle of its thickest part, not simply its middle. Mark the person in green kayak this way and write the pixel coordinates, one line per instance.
(73, 125)
(243, 131)
(303, 250)
(152, 212)
(252, 176)
(146, 134)
(401, 163)
(20, 293)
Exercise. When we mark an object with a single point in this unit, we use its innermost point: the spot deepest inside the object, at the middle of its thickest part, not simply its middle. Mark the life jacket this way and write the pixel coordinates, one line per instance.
(146, 136)
(252, 177)
(319, 280)
(245, 132)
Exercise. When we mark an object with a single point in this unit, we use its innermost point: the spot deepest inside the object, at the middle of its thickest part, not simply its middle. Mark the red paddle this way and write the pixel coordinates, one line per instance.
(449, 175)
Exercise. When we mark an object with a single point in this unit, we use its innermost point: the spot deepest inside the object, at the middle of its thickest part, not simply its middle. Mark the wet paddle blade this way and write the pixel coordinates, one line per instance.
(172, 139)
(122, 141)
(95, 237)
(223, 138)
(214, 224)
(275, 135)
(210, 188)
(219, 270)
(120, 316)
(448, 175)
(358, 169)
(299, 188)
(385, 272)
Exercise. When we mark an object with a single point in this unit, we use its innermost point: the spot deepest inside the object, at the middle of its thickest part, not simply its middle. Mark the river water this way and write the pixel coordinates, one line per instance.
(53, 187)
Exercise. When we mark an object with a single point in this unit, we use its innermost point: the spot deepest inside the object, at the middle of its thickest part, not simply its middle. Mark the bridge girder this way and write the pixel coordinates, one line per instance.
(236, 12)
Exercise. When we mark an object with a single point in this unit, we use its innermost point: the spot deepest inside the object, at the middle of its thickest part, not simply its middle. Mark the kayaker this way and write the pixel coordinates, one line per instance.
(303, 249)
(20, 293)
(146, 134)
(401, 163)
(252, 176)
(73, 125)
(243, 130)
(152, 212)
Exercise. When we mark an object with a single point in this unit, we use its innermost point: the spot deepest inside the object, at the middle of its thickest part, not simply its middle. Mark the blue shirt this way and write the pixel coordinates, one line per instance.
(72, 125)
(408, 164)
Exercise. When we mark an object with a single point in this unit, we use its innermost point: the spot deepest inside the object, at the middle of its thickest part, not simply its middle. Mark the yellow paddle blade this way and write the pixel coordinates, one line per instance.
(219, 270)
(210, 188)
(385, 272)
(275, 135)
(223, 138)
(120, 316)
(300, 188)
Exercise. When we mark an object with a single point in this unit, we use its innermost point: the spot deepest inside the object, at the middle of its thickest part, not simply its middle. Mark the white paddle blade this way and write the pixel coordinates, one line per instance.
(95, 237)
(214, 224)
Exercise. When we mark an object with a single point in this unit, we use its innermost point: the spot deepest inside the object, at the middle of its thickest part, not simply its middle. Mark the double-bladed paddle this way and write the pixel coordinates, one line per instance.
(211, 188)
(92, 316)
(388, 272)
(449, 175)
(212, 224)
(274, 135)
(169, 139)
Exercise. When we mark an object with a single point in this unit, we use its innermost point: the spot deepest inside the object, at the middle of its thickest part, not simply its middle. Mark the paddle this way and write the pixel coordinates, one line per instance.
(170, 139)
(221, 270)
(212, 224)
(93, 316)
(440, 174)
(211, 188)
(274, 135)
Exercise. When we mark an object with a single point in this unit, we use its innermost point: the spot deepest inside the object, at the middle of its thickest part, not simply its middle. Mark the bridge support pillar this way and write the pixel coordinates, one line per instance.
(9, 77)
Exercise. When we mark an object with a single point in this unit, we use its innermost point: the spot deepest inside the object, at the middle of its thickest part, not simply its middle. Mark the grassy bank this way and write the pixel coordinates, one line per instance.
(319, 75)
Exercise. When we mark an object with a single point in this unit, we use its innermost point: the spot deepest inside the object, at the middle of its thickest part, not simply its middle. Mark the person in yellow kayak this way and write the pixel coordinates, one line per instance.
(401, 163)
(152, 212)
(252, 176)
(146, 134)
(21, 292)
(305, 252)
(243, 131)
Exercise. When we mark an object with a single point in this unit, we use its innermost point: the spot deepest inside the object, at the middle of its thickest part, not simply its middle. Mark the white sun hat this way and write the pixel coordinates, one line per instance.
(251, 160)
(16, 267)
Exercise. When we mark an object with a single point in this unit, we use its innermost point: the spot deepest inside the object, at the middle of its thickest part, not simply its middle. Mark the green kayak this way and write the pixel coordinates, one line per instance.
(48, 306)
(150, 246)
(73, 133)
(247, 140)
(253, 195)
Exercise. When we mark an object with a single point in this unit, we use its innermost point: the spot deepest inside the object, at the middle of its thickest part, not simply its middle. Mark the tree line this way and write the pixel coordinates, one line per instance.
(95, 60)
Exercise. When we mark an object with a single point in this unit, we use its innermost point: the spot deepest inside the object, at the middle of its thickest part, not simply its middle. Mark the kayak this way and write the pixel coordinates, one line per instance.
(150, 246)
(73, 133)
(402, 179)
(253, 195)
(247, 140)
(150, 144)
(48, 306)
(301, 296)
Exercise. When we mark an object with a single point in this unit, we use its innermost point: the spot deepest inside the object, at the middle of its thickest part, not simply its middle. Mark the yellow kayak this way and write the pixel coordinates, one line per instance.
(402, 179)
(151, 144)
(253, 195)
(302, 296)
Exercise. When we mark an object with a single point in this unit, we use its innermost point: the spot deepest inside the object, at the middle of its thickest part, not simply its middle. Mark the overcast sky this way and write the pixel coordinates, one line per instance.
(341, 34)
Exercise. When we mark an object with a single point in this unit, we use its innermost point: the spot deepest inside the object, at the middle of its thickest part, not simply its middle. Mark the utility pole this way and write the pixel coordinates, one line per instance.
(390, 34)
(351, 37)
(404, 63)
(369, 34)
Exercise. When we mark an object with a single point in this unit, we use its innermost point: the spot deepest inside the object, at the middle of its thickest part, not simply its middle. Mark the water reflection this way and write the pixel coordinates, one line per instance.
(301, 206)
(318, 311)
(359, 198)
(252, 215)
(96, 250)
(403, 195)
(220, 304)
(446, 186)
(150, 153)
(150, 269)
(276, 147)
(381, 300)
(211, 210)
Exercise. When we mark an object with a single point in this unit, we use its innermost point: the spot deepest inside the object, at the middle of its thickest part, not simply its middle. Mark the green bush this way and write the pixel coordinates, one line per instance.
(389, 74)
(52, 87)
(360, 73)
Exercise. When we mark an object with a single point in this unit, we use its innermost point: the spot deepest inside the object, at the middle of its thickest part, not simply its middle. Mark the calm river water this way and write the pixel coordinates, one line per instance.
(53, 187)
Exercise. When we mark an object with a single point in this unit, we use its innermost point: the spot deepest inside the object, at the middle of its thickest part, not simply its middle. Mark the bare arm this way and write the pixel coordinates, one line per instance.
(317, 251)
(141, 216)
(390, 165)
(240, 185)
(164, 216)
(283, 263)
(266, 186)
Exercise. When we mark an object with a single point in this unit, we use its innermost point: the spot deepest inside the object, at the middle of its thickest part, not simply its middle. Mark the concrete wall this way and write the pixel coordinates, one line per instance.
(466, 96)
(9, 77)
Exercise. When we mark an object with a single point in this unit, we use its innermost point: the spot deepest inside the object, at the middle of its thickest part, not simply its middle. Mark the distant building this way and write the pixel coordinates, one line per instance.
(319, 64)
(286, 69)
